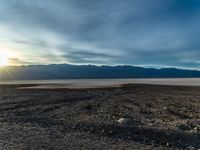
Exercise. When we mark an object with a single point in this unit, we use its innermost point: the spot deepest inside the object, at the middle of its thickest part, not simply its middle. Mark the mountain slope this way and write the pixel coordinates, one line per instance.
(66, 71)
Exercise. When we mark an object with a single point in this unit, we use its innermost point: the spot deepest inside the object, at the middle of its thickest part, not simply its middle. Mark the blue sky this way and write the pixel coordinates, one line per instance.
(157, 33)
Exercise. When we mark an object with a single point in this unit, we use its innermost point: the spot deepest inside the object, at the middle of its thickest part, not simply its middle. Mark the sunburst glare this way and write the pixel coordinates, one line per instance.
(4, 56)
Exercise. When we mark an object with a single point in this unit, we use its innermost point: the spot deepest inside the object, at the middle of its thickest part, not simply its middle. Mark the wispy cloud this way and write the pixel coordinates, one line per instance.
(138, 32)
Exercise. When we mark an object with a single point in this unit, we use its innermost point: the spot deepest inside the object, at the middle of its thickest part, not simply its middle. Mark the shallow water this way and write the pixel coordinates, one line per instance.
(90, 83)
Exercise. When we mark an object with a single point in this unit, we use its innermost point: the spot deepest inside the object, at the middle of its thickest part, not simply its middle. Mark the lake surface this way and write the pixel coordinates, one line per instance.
(93, 83)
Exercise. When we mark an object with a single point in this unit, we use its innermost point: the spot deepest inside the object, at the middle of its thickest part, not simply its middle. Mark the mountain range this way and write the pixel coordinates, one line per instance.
(68, 71)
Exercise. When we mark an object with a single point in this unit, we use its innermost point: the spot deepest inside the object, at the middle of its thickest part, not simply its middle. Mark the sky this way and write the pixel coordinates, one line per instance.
(158, 33)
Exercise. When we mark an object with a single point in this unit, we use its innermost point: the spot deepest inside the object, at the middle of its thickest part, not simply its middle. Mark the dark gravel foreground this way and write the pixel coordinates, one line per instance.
(157, 117)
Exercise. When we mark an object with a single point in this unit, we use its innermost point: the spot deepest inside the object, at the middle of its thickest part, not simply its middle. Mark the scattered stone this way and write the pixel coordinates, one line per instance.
(110, 132)
(189, 127)
(123, 121)
(196, 129)
(190, 148)
(116, 123)
(167, 144)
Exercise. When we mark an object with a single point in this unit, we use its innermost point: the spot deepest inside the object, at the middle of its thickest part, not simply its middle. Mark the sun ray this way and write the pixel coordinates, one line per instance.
(4, 57)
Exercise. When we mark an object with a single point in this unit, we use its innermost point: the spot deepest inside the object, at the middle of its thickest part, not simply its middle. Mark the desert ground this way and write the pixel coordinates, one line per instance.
(118, 118)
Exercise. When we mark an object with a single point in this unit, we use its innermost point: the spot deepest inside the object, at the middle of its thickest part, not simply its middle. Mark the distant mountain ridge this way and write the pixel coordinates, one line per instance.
(67, 71)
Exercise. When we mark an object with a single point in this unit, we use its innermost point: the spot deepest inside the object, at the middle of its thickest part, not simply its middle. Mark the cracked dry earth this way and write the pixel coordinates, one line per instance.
(160, 117)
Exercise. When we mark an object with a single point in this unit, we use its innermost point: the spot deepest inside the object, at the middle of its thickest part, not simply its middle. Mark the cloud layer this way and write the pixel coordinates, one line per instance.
(137, 32)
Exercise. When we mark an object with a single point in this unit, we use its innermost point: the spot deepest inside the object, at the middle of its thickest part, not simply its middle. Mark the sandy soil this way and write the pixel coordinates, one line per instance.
(157, 117)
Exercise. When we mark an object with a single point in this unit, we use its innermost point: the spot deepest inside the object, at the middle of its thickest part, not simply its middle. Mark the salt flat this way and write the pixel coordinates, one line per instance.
(99, 83)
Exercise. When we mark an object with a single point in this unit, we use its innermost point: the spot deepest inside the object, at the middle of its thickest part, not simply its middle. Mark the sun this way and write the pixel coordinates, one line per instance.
(4, 58)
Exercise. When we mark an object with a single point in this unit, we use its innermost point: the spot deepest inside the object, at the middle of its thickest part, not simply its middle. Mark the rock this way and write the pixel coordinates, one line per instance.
(110, 132)
(190, 148)
(167, 144)
(123, 121)
(165, 108)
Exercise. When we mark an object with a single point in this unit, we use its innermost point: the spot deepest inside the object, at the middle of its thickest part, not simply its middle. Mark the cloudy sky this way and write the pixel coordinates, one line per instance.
(157, 33)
